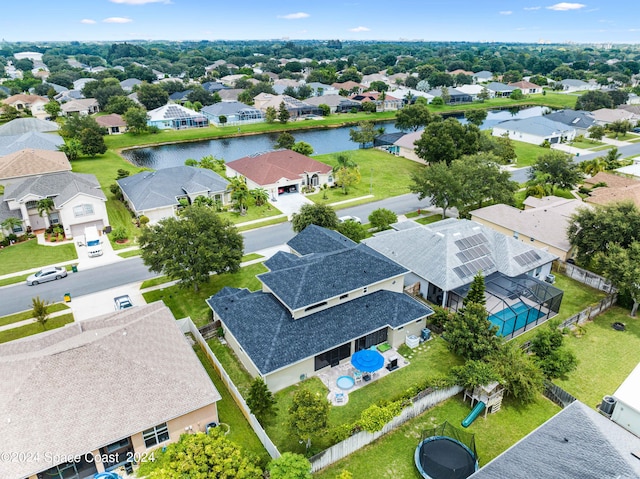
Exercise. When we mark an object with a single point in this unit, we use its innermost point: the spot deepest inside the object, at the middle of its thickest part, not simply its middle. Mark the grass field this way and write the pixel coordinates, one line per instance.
(185, 302)
(130, 253)
(29, 254)
(240, 431)
(253, 212)
(527, 153)
(587, 144)
(35, 328)
(382, 174)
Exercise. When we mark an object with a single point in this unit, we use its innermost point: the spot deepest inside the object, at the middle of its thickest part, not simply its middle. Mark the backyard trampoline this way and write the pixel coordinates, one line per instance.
(514, 317)
(446, 453)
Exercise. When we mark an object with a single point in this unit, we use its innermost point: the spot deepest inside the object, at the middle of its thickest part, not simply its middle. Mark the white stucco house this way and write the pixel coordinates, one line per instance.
(535, 130)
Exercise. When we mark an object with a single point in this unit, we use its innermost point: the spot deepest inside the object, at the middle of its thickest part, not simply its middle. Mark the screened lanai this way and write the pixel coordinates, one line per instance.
(515, 305)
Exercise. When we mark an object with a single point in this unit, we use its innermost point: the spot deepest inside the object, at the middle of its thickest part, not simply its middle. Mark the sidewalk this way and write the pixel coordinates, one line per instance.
(32, 320)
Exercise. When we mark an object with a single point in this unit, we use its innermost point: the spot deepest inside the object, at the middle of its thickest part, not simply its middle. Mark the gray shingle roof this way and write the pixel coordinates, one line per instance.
(536, 125)
(273, 340)
(315, 239)
(573, 118)
(32, 139)
(433, 251)
(94, 382)
(25, 125)
(157, 189)
(499, 87)
(577, 443)
(318, 277)
(229, 108)
(63, 186)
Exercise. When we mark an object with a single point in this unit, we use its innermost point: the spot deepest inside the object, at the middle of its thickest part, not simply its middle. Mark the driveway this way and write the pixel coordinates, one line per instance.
(96, 304)
(108, 256)
(290, 203)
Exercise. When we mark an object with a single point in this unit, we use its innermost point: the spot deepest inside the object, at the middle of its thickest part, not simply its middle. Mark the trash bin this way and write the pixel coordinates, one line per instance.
(74, 268)
(67, 297)
(128, 467)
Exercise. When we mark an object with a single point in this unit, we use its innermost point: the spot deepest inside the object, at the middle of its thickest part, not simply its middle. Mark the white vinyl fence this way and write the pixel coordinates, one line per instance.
(361, 439)
(187, 326)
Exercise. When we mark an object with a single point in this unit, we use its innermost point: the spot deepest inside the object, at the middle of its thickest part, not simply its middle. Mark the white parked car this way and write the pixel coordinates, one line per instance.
(122, 302)
(342, 219)
(47, 274)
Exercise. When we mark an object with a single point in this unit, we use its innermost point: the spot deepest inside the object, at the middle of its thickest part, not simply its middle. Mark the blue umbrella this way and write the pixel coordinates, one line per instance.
(367, 360)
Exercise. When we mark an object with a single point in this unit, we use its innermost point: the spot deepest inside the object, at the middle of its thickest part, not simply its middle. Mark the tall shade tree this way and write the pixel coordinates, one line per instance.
(413, 117)
(591, 230)
(202, 456)
(136, 120)
(557, 169)
(622, 267)
(365, 133)
(308, 415)
(439, 183)
(192, 247)
(554, 359)
(283, 113)
(448, 140)
(521, 376)
(314, 214)
(470, 334)
(261, 401)
(476, 117)
(72, 148)
(152, 96)
(285, 140)
(382, 218)
(594, 100)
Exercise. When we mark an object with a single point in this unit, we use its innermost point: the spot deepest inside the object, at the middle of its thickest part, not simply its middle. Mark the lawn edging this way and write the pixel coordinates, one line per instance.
(361, 439)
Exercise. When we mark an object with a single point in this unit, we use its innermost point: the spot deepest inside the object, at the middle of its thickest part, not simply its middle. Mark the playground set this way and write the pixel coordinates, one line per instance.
(488, 398)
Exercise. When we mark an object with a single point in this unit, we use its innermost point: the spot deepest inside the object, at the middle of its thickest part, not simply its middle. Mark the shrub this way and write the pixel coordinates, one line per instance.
(119, 233)
(143, 220)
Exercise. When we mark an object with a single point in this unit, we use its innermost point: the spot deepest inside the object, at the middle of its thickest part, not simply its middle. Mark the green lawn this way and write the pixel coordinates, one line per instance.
(238, 374)
(185, 302)
(14, 318)
(391, 456)
(29, 254)
(431, 359)
(130, 254)
(35, 328)
(586, 144)
(527, 153)
(240, 431)
(602, 148)
(429, 219)
(154, 282)
(383, 175)
(269, 222)
(605, 356)
(251, 257)
(253, 213)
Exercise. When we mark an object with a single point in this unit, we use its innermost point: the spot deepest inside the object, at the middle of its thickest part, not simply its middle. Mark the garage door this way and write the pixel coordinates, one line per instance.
(288, 189)
(78, 230)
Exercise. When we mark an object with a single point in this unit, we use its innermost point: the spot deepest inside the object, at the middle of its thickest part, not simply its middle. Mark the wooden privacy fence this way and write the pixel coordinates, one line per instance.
(187, 326)
(583, 276)
(362, 438)
(591, 312)
(558, 395)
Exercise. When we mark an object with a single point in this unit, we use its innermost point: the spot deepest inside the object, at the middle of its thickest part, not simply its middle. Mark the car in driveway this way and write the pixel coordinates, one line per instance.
(47, 274)
(342, 219)
(122, 302)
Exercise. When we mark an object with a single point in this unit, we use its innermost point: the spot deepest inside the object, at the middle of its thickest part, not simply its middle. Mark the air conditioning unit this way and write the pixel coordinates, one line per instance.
(550, 278)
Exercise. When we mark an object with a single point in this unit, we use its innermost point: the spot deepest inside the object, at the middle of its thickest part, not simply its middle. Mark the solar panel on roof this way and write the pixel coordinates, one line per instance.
(527, 258)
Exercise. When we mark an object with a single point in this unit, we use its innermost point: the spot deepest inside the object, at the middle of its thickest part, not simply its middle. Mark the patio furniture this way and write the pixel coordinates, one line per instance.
(357, 376)
(339, 397)
(392, 365)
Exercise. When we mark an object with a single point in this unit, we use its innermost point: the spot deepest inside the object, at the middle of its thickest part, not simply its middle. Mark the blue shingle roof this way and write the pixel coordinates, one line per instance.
(273, 339)
(318, 277)
(315, 239)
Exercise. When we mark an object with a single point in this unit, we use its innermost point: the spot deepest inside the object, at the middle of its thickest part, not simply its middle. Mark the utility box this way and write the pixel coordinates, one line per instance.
(412, 341)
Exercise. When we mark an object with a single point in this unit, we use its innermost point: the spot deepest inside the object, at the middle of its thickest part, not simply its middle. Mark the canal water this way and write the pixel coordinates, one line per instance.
(323, 141)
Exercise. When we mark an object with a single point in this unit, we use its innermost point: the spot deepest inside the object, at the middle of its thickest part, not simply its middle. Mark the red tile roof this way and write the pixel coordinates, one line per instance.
(268, 168)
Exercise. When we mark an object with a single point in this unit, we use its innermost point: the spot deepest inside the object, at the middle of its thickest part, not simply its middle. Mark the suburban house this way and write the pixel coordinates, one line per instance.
(526, 87)
(382, 102)
(543, 223)
(295, 107)
(128, 84)
(576, 443)
(214, 86)
(455, 95)
(106, 390)
(32, 139)
(113, 123)
(483, 76)
(177, 117)
(68, 95)
(25, 125)
(405, 146)
(316, 308)
(78, 202)
(336, 103)
(280, 171)
(230, 94)
(410, 95)
(579, 119)
(499, 90)
(84, 106)
(571, 85)
(34, 103)
(350, 86)
(234, 113)
(443, 258)
(616, 189)
(535, 130)
(473, 91)
(280, 85)
(180, 97)
(28, 162)
(604, 116)
(157, 194)
(81, 82)
(626, 407)
(321, 89)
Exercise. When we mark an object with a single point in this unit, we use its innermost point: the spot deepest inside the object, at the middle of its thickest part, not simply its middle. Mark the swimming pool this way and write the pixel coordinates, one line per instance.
(515, 317)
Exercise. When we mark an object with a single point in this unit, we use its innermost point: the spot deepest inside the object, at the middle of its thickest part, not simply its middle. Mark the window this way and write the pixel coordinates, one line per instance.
(537, 271)
(54, 218)
(156, 435)
(83, 210)
(31, 204)
(372, 339)
(516, 234)
(332, 357)
(344, 296)
(315, 306)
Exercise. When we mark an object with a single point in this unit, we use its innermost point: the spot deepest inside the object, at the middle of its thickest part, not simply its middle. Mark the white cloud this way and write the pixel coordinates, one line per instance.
(529, 9)
(565, 6)
(294, 16)
(139, 2)
(117, 20)
(359, 29)
(87, 21)
(506, 12)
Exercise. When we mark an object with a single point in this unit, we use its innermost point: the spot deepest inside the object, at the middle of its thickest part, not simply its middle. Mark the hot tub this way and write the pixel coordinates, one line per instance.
(345, 382)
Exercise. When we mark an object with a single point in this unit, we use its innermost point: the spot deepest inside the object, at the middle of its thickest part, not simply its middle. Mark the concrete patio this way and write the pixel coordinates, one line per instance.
(329, 376)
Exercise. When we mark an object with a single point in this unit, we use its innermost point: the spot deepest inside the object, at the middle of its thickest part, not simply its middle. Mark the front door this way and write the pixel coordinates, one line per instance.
(38, 222)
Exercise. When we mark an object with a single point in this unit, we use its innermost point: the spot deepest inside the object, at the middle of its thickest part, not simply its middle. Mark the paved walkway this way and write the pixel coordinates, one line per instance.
(290, 203)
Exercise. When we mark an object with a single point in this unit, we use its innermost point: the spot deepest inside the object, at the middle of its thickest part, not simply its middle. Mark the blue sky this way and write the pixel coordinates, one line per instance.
(582, 21)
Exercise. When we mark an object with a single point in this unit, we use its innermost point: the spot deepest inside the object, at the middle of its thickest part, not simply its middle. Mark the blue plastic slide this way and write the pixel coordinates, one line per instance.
(475, 412)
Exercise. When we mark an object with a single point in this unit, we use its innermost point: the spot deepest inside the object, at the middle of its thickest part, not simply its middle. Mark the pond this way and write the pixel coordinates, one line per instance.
(323, 141)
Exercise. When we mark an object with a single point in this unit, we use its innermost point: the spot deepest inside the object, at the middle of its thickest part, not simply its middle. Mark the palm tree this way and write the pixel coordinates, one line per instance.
(45, 206)
(10, 224)
(260, 195)
(593, 167)
(239, 193)
(611, 159)
(344, 161)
